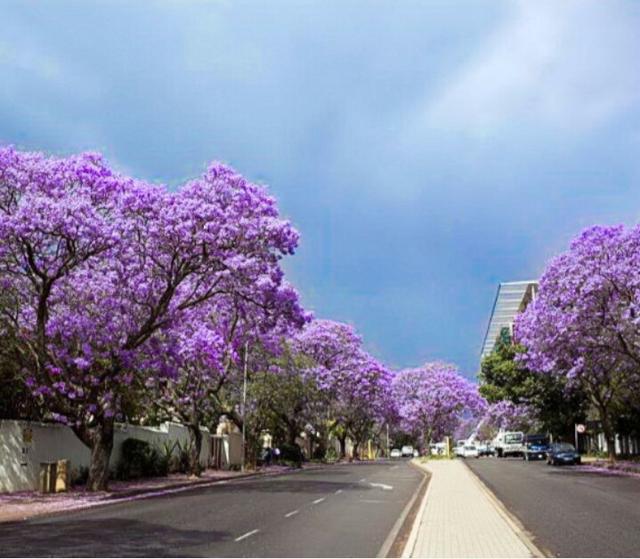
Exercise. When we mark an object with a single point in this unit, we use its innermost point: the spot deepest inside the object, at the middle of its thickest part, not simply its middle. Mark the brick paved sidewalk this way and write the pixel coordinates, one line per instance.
(459, 518)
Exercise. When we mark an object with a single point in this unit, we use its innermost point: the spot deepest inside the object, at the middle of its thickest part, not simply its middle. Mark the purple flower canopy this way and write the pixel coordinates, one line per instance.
(113, 287)
(358, 384)
(508, 416)
(434, 399)
(584, 321)
(107, 279)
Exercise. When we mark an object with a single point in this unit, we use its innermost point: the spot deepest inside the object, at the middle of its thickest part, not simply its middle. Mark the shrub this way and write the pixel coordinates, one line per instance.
(180, 462)
(140, 459)
(320, 453)
(79, 476)
(167, 459)
(331, 455)
(291, 454)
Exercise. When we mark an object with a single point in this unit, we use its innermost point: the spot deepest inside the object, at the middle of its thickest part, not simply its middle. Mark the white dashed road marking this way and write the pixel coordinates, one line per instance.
(382, 486)
(248, 534)
(319, 500)
(291, 513)
(373, 501)
(338, 491)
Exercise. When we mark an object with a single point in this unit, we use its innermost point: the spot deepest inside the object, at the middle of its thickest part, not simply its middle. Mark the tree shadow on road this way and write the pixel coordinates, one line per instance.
(110, 537)
(288, 486)
(584, 472)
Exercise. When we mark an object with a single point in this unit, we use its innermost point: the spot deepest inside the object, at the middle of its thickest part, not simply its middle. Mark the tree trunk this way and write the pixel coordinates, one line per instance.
(101, 442)
(343, 447)
(195, 436)
(607, 427)
(251, 452)
(292, 434)
(610, 437)
(356, 450)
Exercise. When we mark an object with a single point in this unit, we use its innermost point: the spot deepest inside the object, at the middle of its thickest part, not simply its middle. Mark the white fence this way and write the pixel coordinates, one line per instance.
(24, 445)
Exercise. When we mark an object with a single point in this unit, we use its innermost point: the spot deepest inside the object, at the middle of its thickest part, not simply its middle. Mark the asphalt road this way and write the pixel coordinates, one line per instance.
(340, 511)
(570, 513)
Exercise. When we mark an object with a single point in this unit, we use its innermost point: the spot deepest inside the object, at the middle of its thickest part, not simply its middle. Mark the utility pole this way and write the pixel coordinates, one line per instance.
(244, 405)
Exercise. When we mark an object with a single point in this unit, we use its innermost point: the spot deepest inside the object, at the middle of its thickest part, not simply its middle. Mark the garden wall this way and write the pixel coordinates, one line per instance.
(25, 444)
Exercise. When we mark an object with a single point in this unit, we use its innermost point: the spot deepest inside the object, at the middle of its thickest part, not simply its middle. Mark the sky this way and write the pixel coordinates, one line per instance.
(425, 150)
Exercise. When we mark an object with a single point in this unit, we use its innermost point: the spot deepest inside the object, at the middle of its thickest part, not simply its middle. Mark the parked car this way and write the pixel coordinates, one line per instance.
(470, 451)
(459, 448)
(395, 453)
(485, 449)
(407, 451)
(562, 453)
(535, 447)
(416, 453)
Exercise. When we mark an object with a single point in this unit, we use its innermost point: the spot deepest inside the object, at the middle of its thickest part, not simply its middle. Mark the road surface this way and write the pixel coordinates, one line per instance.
(338, 511)
(570, 513)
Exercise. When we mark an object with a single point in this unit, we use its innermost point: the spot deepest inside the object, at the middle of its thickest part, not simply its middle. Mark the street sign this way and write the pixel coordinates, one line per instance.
(581, 428)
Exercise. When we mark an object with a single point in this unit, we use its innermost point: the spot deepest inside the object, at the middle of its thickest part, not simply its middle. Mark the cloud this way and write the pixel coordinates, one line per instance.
(568, 66)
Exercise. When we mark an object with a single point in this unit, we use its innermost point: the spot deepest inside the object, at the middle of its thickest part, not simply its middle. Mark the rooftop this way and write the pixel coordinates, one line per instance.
(511, 298)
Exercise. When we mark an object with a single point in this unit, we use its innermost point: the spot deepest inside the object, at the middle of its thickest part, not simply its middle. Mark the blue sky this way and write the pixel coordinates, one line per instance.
(425, 150)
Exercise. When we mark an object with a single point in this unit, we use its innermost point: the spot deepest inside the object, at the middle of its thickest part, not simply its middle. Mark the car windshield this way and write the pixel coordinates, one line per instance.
(515, 438)
(564, 447)
(469, 447)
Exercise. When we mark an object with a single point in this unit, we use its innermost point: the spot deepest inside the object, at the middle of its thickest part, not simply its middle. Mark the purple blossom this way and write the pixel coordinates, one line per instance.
(433, 400)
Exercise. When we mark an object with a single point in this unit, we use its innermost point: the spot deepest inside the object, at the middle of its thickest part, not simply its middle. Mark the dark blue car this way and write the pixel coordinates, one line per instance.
(535, 447)
(562, 453)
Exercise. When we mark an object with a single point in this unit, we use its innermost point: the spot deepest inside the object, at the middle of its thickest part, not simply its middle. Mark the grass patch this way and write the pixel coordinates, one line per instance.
(431, 457)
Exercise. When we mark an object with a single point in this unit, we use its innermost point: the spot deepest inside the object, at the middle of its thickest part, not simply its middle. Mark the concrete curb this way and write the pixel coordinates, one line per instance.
(404, 518)
(413, 536)
(514, 523)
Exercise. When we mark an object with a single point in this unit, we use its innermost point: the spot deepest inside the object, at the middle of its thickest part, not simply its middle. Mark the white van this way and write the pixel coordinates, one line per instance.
(509, 443)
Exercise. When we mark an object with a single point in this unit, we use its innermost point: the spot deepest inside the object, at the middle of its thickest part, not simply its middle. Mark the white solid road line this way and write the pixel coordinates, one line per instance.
(291, 513)
(247, 535)
(319, 500)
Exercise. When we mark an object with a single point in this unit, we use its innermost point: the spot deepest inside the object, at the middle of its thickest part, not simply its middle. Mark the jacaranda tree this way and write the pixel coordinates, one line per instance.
(203, 355)
(505, 415)
(95, 265)
(355, 386)
(434, 399)
(583, 324)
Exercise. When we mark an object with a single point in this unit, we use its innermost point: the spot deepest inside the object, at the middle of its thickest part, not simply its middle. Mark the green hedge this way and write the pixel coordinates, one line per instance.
(139, 459)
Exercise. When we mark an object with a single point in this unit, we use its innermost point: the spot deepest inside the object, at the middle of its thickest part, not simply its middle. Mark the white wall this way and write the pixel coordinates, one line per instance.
(20, 459)
(233, 449)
